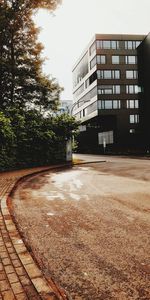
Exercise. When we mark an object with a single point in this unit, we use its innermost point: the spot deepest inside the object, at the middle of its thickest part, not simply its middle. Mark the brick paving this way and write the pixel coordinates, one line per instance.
(20, 277)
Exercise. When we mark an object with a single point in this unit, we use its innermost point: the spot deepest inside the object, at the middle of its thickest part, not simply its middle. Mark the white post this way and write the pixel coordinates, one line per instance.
(104, 144)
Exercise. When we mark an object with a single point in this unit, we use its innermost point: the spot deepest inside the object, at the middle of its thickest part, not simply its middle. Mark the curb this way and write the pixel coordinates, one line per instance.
(15, 248)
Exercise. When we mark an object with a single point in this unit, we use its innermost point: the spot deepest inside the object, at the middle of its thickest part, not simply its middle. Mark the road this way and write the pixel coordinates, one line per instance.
(89, 227)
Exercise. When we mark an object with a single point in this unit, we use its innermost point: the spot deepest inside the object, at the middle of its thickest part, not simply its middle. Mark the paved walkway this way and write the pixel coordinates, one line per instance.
(20, 277)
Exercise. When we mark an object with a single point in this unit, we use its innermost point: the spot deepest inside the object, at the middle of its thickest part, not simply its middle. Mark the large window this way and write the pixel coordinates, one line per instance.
(108, 89)
(131, 45)
(80, 70)
(92, 93)
(134, 119)
(131, 74)
(109, 104)
(99, 59)
(108, 74)
(133, 89)
(107, 44)
(132, 103)
(115, 59)
(131, 59)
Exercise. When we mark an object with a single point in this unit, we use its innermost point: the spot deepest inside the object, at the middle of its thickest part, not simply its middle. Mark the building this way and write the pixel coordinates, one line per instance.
(144, 81)
(107, 95)
(65, 106)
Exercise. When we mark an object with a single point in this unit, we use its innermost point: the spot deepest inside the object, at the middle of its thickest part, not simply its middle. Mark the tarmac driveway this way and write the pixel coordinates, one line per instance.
(89, 228)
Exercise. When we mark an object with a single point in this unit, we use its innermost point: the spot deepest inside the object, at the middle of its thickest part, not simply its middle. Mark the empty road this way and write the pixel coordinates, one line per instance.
(89, 227)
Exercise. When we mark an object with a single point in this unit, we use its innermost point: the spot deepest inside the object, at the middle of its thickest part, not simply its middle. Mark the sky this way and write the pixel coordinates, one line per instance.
(66, 32)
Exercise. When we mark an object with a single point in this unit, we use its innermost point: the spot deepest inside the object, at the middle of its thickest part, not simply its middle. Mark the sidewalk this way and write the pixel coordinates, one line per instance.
(20, 277)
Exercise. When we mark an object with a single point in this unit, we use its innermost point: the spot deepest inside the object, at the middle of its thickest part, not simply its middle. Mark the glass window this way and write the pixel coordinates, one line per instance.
(101, 59)
(115, 59)
(117, 74)
(101, 44)
(117, 89)
(114, 44)
(108, 74)
(128, 45)
(109, 104)
(106, 45)
(131, 59)
(93, 62)
(131, 74)
(130, 103)
(134, 119)
(131, 118)
(108, 89)
(132, 89)
(116, 104)
(136, 103)
(132, 45)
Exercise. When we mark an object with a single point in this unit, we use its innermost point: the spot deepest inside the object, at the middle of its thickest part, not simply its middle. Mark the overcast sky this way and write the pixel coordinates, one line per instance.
(66, 34)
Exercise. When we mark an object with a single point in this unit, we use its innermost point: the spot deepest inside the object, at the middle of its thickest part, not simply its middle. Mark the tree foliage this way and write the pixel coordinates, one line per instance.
(21, 80)
(27, 136)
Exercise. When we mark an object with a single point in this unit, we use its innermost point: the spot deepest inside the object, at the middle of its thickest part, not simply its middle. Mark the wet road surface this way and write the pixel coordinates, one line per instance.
(89, 227)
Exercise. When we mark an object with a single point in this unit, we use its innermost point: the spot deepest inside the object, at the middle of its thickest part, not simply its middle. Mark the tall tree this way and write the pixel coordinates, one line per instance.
(21, 80)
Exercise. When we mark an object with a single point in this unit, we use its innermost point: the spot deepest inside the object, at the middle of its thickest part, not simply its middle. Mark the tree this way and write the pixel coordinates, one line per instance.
(21, 80)
(28, 137)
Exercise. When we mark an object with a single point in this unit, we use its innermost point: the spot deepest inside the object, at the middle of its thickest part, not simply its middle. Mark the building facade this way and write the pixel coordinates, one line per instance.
(144, 82)
(107, 95)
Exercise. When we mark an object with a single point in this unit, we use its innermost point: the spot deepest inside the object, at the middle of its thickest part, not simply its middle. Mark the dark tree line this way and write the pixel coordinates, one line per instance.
(27, 136)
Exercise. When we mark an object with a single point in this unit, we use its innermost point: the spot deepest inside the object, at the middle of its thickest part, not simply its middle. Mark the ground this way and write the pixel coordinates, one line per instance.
(88, 227)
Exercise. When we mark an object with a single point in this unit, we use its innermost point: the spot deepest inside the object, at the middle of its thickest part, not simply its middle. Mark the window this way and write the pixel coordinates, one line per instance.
(108, 89)
(131, 45)
(132, 89)
(93, 62)
(109, 104)
(115, 59)
(101, 59)
(131, 74)
(132, 103)
(134, 119)
(100, 44)
(131, 59)
(92, 48)
(92, 93)
(108, 74)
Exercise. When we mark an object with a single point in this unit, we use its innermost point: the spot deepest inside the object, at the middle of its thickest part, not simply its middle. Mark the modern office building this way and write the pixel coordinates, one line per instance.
(107, 95)
(144, 81)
